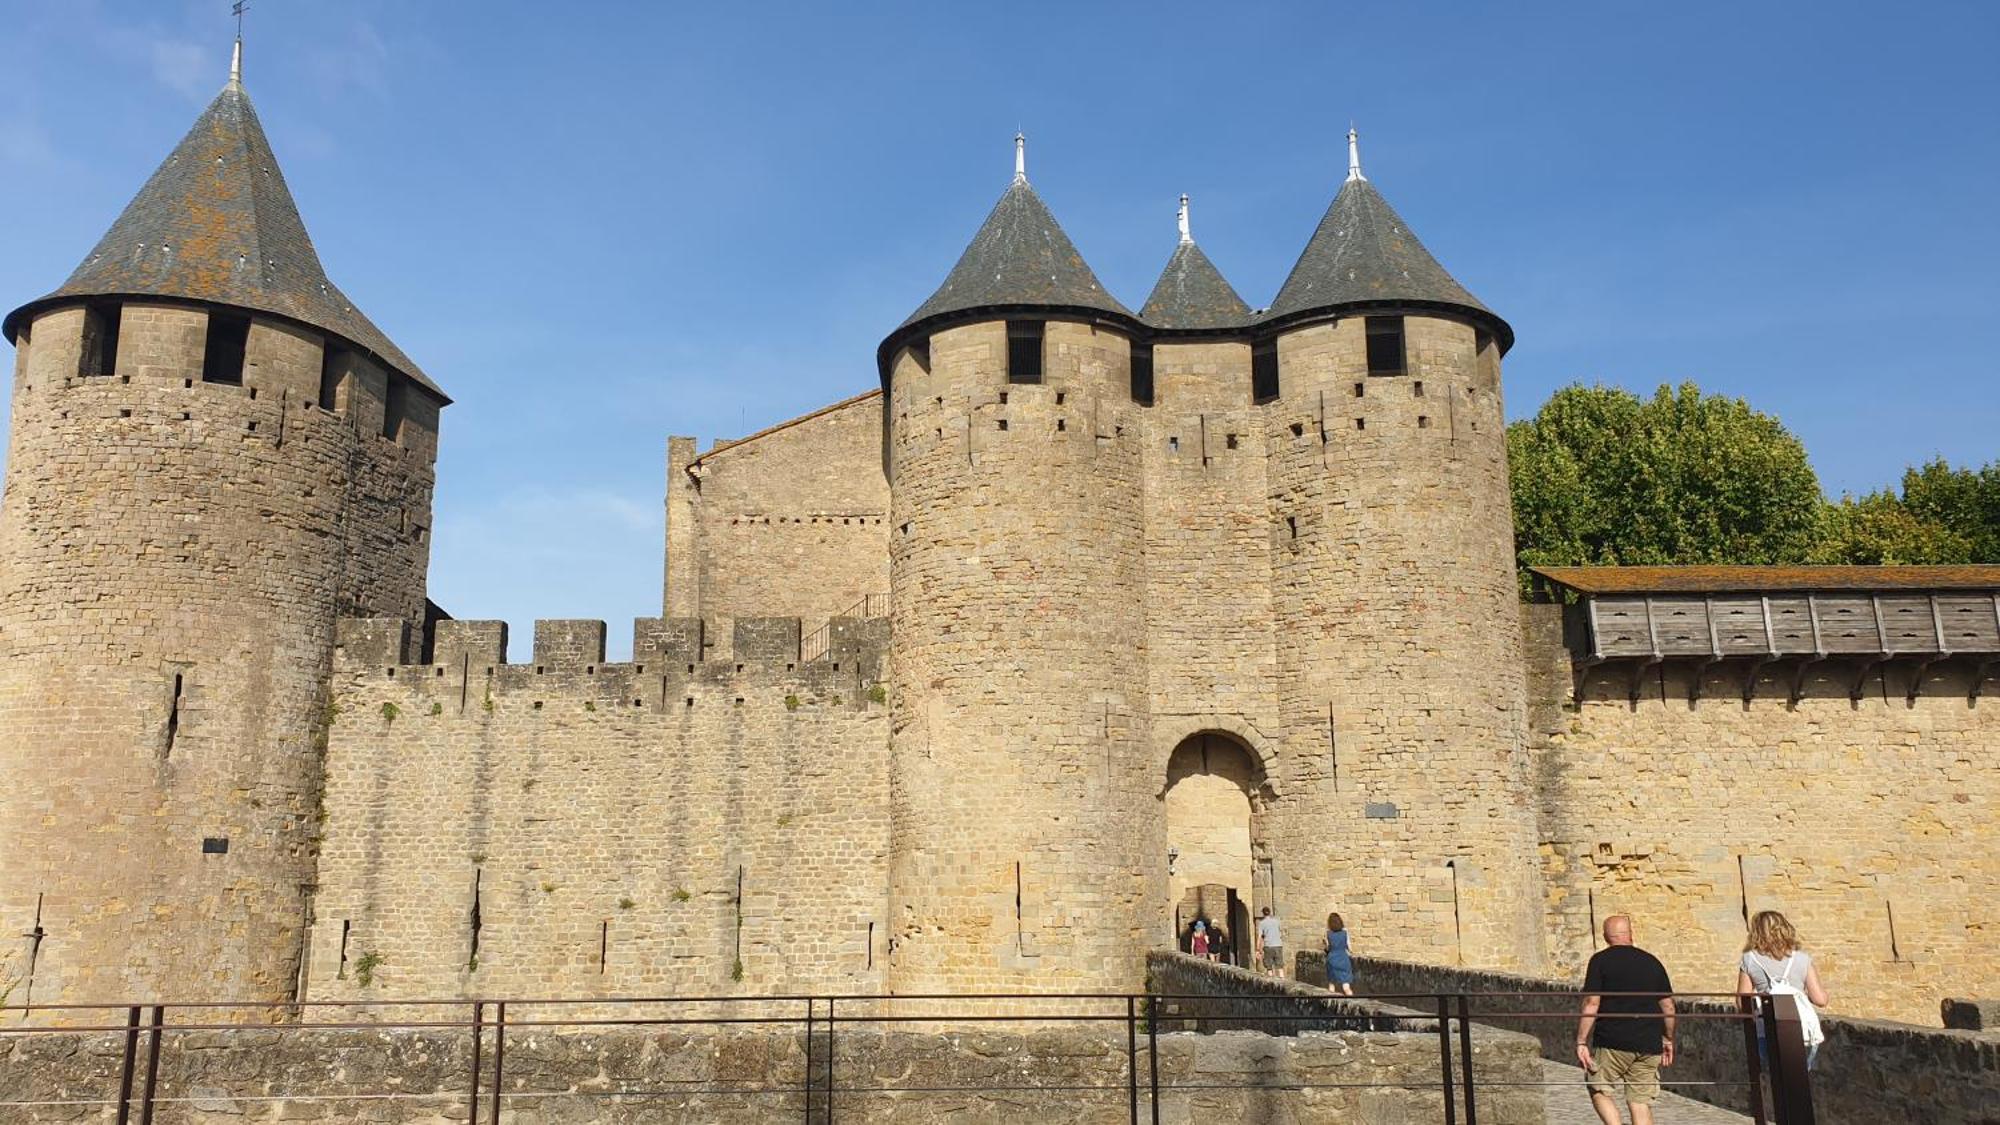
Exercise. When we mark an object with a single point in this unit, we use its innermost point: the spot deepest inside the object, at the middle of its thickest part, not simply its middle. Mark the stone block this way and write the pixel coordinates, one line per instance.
(569, 642)
(666, 640)
(477, 644)
(376, 641)
(767, 639)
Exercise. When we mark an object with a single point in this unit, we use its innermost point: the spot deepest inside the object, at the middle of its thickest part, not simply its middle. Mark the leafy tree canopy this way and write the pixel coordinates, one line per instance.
(1603, 477)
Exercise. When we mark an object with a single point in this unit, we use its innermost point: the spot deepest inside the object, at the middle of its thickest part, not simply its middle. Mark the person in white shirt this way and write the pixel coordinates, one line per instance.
(1774, 962)
(1272, 942)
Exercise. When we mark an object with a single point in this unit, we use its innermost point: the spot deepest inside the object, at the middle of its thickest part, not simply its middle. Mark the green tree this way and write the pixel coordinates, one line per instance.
(1880, 529)
(1602, 477)
(1964, 501)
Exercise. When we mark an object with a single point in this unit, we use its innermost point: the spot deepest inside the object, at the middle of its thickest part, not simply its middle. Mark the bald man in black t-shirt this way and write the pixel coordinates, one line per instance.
(1633, 1046)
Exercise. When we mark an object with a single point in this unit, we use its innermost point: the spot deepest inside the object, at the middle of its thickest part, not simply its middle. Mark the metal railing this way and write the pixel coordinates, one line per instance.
(818, 1090)
(816, 643)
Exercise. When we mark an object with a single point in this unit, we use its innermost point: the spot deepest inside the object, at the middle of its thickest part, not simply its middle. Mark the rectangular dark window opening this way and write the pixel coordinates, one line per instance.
(394, 403)
(1024, 351)
(215, 845)
(100, 339)
(332, 366)
(222, 355)
(1264, 371)
(1142, 374)
(1385, 346)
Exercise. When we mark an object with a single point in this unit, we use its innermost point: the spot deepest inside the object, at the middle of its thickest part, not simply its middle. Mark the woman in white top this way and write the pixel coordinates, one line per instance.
(1772, 958)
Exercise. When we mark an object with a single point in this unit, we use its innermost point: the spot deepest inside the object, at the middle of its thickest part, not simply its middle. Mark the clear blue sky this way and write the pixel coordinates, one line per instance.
(596, 224)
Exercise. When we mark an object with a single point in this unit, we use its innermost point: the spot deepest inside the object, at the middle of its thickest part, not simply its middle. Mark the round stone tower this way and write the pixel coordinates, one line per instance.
(1019, 716)
(1397, 629)
(213, 455)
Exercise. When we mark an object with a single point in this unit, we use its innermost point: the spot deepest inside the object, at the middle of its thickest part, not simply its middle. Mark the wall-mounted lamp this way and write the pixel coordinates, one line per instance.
(1173, 857)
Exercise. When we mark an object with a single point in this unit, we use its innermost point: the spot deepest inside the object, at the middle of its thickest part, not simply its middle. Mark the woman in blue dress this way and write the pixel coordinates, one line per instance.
(1339, 962)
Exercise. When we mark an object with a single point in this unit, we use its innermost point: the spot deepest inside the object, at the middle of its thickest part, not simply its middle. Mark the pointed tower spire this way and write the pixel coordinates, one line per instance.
(1191, 292)
(1364, 254)
(217, 224)
(1020, 158)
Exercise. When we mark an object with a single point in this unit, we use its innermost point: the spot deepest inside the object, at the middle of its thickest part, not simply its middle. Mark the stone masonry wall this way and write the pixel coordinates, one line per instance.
(1401, 786)
(1870, 823)
(1867, 1071)
(1029, 850)
(790, 521)
(996, 1074)
(172, 557)
(583, 829)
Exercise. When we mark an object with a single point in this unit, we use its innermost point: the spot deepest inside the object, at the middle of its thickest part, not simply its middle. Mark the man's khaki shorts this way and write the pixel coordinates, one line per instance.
(1637, 1075)
(1274, 957)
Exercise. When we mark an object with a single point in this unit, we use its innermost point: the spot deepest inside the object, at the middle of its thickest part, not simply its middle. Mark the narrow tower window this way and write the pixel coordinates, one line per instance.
(1264, 371)
(99, 355)
(1385, 345)
(1024, 351)
(332, 371)
(1142, 374)
(222, 357)
(394, 405)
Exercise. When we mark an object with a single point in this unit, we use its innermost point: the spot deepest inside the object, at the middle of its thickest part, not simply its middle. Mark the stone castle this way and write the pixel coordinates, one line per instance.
(1087, 621)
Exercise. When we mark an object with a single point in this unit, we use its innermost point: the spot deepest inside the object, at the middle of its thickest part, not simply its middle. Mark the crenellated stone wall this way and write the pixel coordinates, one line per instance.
(582, 829)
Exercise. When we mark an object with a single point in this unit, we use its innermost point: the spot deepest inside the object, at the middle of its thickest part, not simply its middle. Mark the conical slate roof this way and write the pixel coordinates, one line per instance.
(1363, 252)
(1192, 293)
(216, 223)
(1019, 257)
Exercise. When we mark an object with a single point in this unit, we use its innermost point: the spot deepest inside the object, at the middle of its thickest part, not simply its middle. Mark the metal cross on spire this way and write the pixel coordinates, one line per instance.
(236, 53)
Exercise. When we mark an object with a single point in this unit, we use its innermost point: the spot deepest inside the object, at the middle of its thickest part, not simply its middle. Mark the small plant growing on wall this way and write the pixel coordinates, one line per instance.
(590, 705)
(487, 702)
(681, 894)
(332, 712)
(548, 888)
(878, 694)
(389, 712)
(437, 708)
(785, 821)
(365, 966)
(626, 904)
(736, 971)
(791, 703)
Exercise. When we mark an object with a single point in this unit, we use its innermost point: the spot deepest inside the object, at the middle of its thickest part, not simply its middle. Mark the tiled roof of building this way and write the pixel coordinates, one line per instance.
(1192, 293)
(1363, 252)
(1756, 579)
(1019, 257)
(216, 223)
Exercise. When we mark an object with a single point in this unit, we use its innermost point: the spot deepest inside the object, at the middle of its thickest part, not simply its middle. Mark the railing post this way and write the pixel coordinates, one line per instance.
(1132, 1055)
(829, 1060)
(131, 1061)
(1444, 1059)
(1748, 1006)
(478, 1017)
(1791, 1089)
(1465, 1056)
(499, 1056)
(806, 1084)
(1153, 1054)
(152, 1065)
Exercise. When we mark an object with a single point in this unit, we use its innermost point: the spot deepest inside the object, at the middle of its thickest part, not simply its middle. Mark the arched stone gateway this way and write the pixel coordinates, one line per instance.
(1214, 803)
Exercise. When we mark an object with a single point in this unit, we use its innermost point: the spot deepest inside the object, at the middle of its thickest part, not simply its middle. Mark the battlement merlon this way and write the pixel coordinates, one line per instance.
(854, 644)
